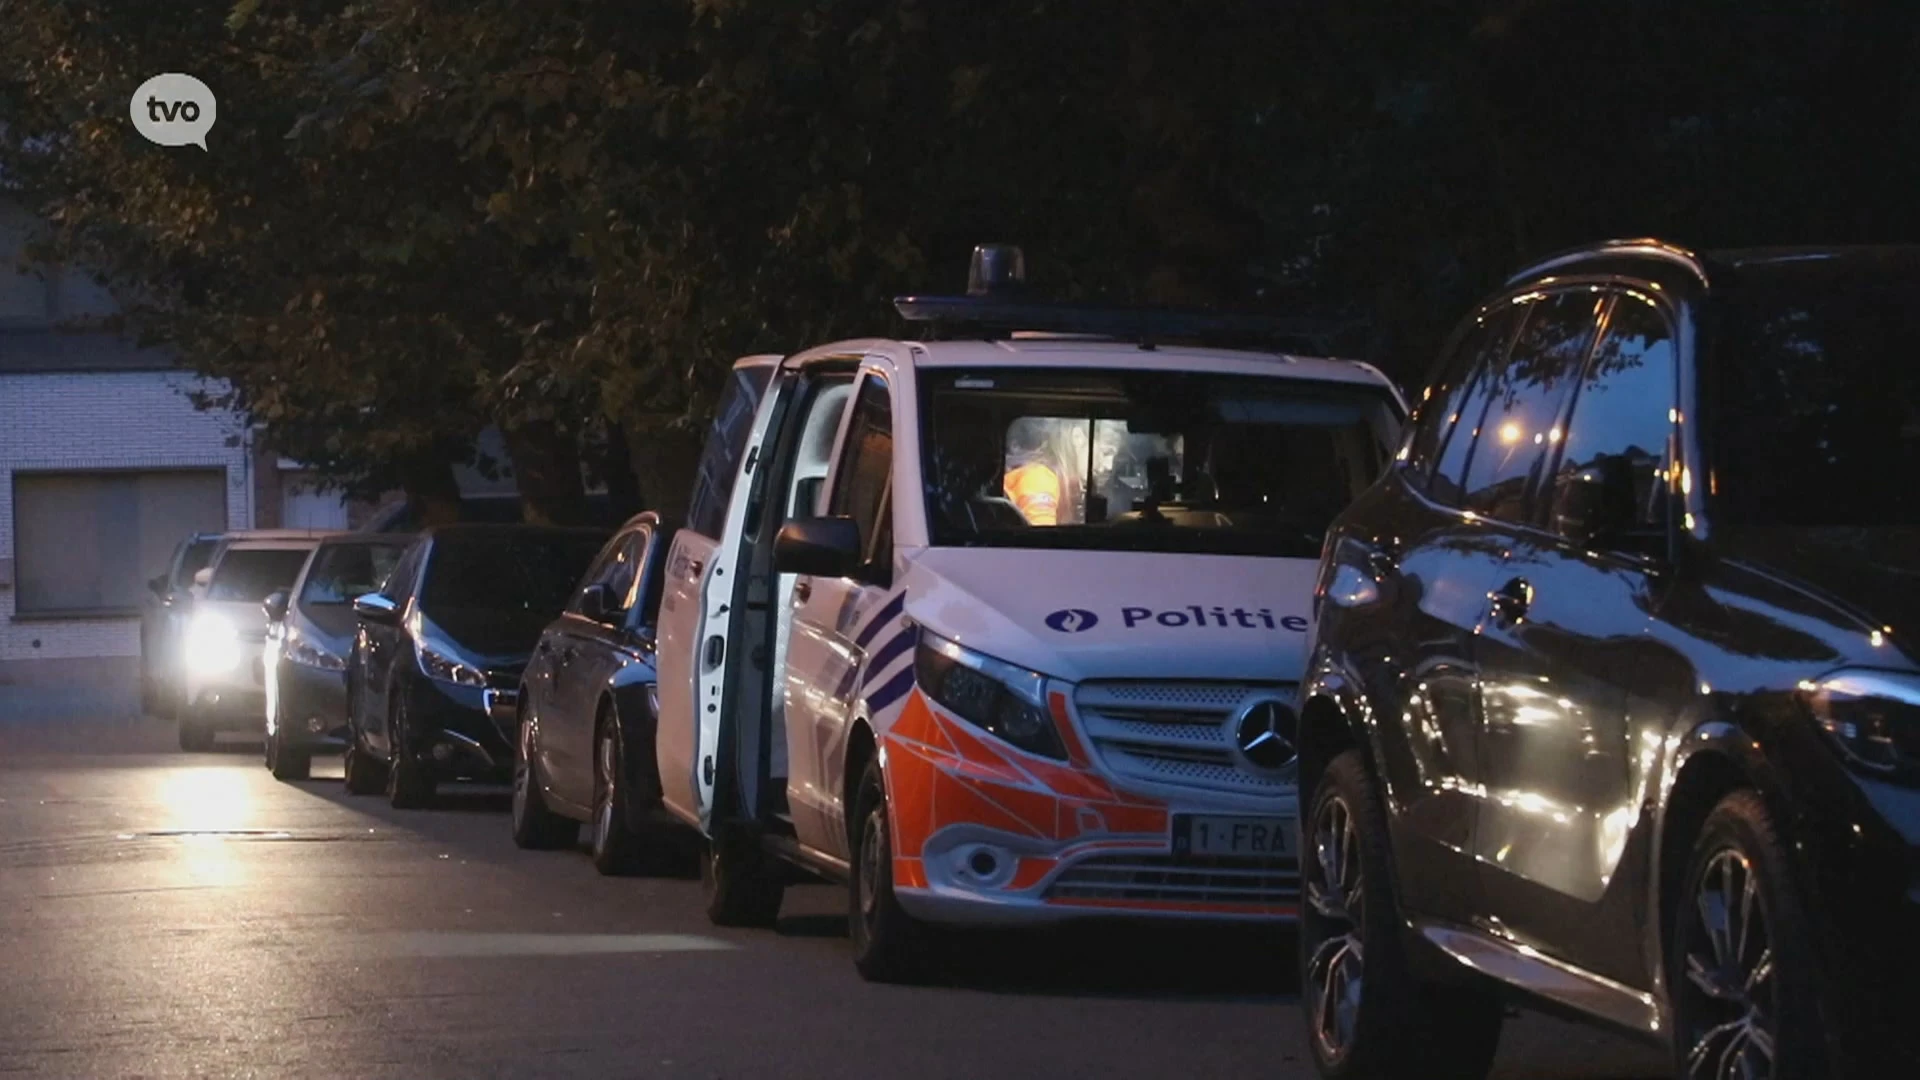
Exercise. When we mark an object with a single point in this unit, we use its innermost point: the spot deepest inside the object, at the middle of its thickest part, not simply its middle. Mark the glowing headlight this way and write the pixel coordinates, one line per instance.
(308, 654)
(437, 661)
(212, 645)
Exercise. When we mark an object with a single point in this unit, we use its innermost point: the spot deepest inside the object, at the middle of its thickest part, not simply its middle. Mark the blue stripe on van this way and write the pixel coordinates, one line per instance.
(889, 693)
(887, 614)
(888, 653)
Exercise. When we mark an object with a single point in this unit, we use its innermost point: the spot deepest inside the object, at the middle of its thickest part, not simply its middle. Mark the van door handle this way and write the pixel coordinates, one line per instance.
(802, 590)
(715, 651)
(1508, 604)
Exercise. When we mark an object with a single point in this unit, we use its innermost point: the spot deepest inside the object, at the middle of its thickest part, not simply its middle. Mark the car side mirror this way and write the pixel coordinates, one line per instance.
(159, 586)
(820, 546)
(1594, 504)
(806, 498)
(596, 604)
(275, 605)
(374, 608)
(203, 577)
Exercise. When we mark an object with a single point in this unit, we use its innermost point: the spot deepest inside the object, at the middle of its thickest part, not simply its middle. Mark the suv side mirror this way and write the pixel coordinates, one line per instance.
(820, 546)
(375, 608)
(275, 605)
(1594, 504)
(596, 603)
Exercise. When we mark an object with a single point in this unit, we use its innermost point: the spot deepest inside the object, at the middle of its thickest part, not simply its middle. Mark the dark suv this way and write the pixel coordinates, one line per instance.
(1613, 702)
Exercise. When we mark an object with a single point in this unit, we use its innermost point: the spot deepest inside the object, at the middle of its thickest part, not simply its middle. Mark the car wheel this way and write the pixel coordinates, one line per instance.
(410, 786)
(287, 763)
(889, 945)
(618, 848)
(743, 885)
(195, 735)
(1741, 965)
(1367, 1015)
(535, 827)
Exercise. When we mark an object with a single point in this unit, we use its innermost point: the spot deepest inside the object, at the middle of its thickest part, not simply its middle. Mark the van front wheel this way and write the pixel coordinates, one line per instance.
(744, 886)
(889, 945)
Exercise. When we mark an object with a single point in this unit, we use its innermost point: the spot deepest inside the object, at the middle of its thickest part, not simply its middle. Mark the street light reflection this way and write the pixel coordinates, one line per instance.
(206, 800)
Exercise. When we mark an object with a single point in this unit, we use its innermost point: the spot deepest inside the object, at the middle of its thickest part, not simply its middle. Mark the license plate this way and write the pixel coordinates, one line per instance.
(1209, 834)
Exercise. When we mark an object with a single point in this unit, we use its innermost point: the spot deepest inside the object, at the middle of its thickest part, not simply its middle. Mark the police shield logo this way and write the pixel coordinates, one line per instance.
(1072, 620)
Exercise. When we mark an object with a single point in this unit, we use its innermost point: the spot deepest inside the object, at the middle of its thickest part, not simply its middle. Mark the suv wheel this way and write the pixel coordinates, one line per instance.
(1367, 1016)
(535, 828)
(889, 945)
(744, 886)
(1741, 966)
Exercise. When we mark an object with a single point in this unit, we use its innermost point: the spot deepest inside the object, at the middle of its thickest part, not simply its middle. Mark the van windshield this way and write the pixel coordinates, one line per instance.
(1146, 460)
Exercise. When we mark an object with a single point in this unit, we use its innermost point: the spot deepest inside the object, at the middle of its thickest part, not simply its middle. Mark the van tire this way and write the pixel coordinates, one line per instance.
(889, 945)
(743, 885)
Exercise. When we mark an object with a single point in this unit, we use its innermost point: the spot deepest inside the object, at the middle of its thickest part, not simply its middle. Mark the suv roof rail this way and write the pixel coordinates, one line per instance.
(1642, 248)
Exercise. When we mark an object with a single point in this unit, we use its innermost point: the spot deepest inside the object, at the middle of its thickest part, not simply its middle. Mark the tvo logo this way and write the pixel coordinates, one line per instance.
(1072, 620)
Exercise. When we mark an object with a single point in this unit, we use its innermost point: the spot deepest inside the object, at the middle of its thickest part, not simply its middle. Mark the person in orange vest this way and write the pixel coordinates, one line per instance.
(1030, 482)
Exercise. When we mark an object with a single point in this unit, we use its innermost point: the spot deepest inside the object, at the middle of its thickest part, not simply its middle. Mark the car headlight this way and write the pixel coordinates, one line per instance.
(1007, 701)
(309, 654)
(439, 662)
(1873, 716)
(212, 644)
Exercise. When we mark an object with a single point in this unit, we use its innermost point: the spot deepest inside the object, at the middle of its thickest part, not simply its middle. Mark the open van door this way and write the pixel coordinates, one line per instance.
(696, 596)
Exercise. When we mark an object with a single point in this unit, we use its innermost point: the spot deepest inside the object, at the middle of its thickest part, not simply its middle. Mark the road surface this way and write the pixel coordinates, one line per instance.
(166, 914)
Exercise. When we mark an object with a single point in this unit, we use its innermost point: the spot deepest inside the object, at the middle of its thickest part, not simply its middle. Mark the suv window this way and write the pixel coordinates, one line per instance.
(341, 572)
(1455, 427)
(1621, 412)
(194, 559)
(726, 441)
(1447, 387)
(864, 478)
(1523, 396)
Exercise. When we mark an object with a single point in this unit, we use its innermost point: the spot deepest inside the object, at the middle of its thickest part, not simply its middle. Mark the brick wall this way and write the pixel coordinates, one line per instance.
(103, 420)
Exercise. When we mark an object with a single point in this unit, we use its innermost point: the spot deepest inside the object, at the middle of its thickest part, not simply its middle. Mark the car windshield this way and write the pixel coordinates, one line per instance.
(252, 573)
(1816, 410)
(195, 558)
(1147, 460)
(343, 571)
(532, 571)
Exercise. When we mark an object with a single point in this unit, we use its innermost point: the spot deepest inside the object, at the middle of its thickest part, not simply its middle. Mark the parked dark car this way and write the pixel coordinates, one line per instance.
(585, 751)
(1614, 698)
(163, 613)
(434, 675)
(310, 631)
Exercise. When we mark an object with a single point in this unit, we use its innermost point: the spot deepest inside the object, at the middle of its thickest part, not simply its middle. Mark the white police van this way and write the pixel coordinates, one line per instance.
(1006, 627)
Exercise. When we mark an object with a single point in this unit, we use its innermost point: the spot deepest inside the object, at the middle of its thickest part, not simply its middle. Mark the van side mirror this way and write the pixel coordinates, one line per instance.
(819, 546)
(806, 499)
(159, 586)
(1593, 504)
(375, 608)
(275, 605)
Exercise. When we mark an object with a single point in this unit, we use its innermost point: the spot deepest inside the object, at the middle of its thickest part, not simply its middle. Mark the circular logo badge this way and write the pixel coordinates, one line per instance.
(1072, 620)
(1263, 731)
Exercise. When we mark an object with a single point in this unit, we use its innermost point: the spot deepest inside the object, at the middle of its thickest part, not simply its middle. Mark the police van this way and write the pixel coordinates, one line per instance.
(1005, 627)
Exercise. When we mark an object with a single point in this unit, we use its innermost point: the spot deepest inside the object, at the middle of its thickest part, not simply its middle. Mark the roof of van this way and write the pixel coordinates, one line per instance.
(1083, 352)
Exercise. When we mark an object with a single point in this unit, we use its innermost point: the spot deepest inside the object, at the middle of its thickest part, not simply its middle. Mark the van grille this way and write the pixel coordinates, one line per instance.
(1176, 733)
(1216, 880)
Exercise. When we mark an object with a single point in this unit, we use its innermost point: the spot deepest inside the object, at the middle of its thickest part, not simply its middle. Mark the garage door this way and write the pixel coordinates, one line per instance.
(88, 542)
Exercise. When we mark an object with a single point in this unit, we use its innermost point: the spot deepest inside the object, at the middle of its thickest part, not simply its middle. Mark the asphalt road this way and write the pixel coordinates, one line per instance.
(168, 914)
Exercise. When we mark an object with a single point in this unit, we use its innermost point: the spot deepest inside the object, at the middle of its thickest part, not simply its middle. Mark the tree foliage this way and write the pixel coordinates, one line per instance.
(566, 218)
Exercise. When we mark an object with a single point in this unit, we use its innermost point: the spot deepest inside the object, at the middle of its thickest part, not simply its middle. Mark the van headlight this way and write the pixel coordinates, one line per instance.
(438, 661)
(1006, 701)
(1873, 716)
(212, 644)
(309, 654)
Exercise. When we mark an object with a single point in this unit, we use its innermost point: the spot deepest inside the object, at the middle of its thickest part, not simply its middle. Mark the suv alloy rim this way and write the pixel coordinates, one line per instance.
(1336, 894)
(1727, 958)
